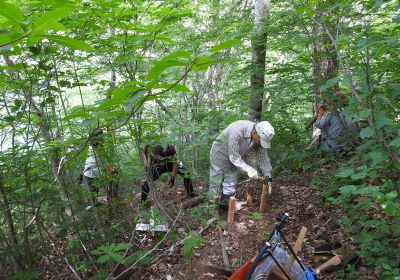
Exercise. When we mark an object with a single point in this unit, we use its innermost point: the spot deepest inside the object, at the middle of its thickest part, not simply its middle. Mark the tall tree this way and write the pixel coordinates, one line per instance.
(257, 75)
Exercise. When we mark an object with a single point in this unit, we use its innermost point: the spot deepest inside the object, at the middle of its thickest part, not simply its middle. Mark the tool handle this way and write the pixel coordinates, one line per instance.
(332, 262)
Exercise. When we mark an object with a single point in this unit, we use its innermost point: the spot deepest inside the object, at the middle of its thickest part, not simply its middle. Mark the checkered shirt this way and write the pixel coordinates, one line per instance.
(234, 149)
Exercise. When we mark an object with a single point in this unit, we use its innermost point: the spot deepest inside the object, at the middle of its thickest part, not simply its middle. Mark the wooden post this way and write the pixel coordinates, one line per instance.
(178, 197)
(232, 208)
(216, 203)
(264, 197)
(249, 196)
(249, 199)
(296, 247)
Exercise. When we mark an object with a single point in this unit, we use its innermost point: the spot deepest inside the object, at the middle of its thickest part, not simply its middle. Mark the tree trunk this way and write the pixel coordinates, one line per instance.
(258, 60)
(324, 60)
(9, 219)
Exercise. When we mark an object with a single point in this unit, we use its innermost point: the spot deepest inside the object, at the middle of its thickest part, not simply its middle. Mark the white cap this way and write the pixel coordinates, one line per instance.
(266, 132)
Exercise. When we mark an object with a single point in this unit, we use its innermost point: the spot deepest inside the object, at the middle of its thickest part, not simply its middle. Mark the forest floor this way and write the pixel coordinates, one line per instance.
(242, 239)
(245, 237)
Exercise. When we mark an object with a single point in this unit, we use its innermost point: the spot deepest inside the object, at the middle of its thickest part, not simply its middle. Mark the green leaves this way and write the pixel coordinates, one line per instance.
(191, 241)
(43, 23)
(395, 143)
(178, 58)
(139, 255)
(367, 132)
(345, 172)
(160, 66)
(25, 275)
(111, 252)
(225, 45)
(255, 216)
(70, 43)
(11, 12)
(347, 189)
(329, 84)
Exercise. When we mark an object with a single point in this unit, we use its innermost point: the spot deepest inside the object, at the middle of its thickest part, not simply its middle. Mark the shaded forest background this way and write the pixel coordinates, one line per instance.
(179, 71)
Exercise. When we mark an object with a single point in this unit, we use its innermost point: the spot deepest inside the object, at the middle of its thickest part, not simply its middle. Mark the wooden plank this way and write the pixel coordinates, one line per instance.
(296, 247)
(225, 258)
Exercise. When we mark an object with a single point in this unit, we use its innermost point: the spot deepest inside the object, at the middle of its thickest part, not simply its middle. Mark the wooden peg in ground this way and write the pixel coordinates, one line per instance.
(249, 196)
(232, 208)
(216, 203)
(296, 247)
(178, 197)
(264, 198)
(249, 199)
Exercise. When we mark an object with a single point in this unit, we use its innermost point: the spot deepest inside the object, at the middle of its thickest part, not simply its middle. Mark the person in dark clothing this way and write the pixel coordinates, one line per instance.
(159, 161)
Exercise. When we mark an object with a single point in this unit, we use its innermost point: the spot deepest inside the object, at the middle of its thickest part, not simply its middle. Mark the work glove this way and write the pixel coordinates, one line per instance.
(171, 182)
(252, 173)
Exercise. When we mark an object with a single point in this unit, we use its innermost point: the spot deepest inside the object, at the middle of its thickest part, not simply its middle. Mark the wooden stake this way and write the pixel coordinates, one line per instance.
(232, 208)
(249, 200)
(249, 196)
(178, 197)
(216, 203)
(296, 247)
(264, 197)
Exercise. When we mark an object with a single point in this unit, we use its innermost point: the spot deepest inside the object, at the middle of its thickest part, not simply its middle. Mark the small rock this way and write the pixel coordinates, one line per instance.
(235, 261)
(362, 270)
(319, 242)
(242, 228)
(378, 271)
(309, 207)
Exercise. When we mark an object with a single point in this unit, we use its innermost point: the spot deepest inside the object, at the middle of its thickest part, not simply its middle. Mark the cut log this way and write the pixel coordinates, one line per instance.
(192, 202)
(331, 263)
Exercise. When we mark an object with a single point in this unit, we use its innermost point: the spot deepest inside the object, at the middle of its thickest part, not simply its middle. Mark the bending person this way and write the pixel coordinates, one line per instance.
(241, 146)
(159, 161)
